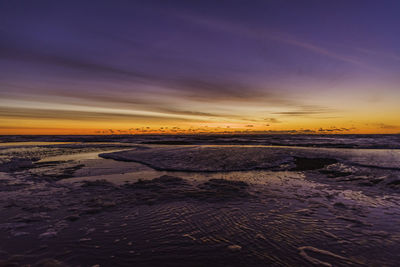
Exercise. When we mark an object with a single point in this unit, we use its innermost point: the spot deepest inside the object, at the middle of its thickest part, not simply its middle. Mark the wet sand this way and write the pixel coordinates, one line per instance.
(197, 205)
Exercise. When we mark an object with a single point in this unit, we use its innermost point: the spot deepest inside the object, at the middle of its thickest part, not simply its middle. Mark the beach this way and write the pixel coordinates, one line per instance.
(154, 201)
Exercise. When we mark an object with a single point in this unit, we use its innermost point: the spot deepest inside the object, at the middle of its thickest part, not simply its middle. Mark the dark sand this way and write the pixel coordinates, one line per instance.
(152, 205)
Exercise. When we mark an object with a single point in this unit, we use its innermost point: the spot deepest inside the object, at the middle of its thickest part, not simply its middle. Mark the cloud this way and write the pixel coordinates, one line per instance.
(13, 51)
(272, 120)
(386, 126)
(67, 68)
(216, 89)
(382, 54)
(273, 35)
(51, 114)
(334, 129)
(307, 110)
(191, 113)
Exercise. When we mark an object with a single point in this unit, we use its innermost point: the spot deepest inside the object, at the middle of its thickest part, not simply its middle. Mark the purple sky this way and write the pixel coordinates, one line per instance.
(276, 65)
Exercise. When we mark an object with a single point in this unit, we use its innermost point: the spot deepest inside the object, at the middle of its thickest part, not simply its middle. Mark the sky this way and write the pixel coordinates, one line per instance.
(183, 67)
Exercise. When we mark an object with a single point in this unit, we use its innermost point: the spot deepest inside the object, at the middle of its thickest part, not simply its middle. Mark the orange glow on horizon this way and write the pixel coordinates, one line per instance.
(188, 131)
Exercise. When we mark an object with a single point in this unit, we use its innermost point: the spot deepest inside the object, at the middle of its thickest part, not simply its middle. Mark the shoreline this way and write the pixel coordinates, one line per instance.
(66, 212)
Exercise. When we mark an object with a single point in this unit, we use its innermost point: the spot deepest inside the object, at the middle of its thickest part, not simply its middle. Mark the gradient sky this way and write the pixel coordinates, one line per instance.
(272, 66)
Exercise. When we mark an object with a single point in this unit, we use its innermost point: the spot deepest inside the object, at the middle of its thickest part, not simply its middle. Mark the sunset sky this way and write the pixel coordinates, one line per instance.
(272, 66)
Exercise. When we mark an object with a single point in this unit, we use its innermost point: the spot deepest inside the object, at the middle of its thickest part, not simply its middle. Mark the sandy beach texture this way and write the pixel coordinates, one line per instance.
(144, 204)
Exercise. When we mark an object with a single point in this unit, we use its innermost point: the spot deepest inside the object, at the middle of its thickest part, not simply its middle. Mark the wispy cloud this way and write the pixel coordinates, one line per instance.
(306, 110)
(272, 120)
(272, 35)
(386, 126)
(382, 54)
(67, 66)
(92, 116)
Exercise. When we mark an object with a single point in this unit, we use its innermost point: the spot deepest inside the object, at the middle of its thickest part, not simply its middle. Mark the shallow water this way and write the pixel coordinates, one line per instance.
(9, 144)
(239, 157)
(276, 216)
(77, 156)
